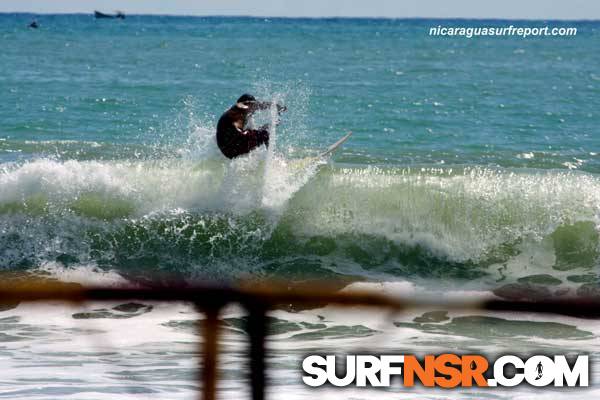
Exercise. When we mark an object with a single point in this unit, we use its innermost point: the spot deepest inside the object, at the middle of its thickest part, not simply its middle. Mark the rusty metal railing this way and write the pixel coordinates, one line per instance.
(259, 300)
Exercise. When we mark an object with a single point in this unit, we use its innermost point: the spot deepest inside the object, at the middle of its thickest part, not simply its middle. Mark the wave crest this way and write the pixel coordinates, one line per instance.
(185, 216)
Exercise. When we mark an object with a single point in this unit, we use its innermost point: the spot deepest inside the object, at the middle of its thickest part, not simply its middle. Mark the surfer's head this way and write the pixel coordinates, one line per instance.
(246, 97)
(246, 102)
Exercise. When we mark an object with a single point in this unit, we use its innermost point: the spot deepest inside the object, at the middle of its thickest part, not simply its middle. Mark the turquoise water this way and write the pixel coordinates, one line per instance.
(408, 97)
(473, 169)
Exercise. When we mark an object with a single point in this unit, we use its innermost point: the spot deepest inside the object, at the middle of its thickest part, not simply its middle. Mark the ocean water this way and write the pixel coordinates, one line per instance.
(473, 170)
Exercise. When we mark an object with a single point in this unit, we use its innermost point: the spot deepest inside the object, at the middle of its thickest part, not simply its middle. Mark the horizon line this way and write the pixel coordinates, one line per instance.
(306, 17)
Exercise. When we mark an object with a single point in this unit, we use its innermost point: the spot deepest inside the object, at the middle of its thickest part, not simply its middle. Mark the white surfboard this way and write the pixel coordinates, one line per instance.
(303, 163)
(335, 146)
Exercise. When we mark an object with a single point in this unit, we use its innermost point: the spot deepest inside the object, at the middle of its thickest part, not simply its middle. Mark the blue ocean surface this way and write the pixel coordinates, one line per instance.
(473, 169)
(409, 98)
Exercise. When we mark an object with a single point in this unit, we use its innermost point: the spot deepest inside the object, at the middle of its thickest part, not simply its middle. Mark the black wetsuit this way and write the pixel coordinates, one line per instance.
(232, 137)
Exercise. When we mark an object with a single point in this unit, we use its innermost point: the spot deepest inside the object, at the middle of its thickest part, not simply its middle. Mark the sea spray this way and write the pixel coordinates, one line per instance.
(181, 216)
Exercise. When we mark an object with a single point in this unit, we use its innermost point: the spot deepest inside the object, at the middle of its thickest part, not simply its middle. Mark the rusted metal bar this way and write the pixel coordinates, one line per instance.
(207, 296)
(210, 330)
(580, 307)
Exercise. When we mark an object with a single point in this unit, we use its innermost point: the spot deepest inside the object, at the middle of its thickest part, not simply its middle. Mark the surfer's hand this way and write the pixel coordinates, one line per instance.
(281, 108)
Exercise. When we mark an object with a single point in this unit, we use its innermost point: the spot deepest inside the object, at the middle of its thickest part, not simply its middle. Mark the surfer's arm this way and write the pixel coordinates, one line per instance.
(256, 137)
(261, 130)
(264, 105)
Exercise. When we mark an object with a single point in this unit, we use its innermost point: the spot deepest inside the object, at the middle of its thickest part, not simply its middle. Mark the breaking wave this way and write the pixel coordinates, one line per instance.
(293, 218)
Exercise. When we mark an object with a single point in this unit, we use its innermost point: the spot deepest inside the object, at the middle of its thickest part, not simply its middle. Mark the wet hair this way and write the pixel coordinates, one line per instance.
(246, 97)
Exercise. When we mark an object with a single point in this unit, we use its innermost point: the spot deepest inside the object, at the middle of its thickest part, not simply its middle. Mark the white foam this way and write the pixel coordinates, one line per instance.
(87, 275)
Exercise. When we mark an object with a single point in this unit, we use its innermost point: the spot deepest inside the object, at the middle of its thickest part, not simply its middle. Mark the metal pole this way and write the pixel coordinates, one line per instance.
(210, 330)
(257, 329)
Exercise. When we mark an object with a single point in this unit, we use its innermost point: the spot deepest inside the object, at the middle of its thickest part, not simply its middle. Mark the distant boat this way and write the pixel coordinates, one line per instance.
(34, 24)
(119, 14)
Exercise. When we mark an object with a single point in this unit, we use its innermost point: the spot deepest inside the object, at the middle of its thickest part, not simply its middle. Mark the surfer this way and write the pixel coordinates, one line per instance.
(234, 137)
(540, 370)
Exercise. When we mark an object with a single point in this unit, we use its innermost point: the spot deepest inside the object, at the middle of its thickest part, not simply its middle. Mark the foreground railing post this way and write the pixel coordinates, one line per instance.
(257, 329)
(210, 350)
